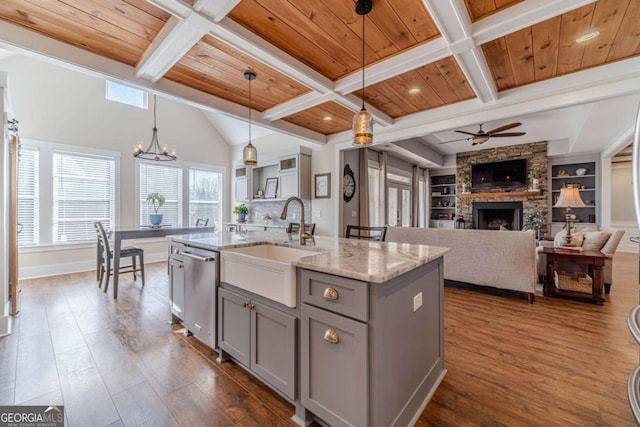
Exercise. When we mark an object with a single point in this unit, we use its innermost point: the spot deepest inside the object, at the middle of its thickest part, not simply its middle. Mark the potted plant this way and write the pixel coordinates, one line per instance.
(241, 210)
(157, 200)
(466, 184)
(535, 180)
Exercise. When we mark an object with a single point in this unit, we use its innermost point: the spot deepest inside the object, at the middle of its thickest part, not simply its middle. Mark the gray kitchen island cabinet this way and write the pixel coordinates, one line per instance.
(371, 353)
(260, 337)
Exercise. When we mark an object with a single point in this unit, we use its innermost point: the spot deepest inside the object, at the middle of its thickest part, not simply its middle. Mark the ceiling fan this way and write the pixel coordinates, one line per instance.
(481, 136)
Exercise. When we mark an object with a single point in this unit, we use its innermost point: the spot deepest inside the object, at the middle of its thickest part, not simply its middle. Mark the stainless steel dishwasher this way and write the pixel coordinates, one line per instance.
(201, 275)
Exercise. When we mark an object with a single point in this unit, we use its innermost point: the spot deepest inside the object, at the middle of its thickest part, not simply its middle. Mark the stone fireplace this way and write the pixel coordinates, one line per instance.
(528, 202)
(493, 215)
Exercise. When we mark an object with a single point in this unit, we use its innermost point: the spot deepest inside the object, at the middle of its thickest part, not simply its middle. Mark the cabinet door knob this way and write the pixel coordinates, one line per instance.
(245, 304)
(330, 293)
(331, 336)
(176, 251)
(251, 306)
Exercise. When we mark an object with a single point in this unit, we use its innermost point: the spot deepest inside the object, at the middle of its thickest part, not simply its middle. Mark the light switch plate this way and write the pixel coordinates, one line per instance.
(417, 302)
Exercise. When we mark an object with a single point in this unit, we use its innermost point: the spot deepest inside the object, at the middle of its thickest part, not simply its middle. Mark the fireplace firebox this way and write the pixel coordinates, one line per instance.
(494, 215)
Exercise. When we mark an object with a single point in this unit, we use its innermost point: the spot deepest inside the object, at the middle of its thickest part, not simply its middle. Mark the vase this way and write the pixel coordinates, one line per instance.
(535, 183)
(155, 219)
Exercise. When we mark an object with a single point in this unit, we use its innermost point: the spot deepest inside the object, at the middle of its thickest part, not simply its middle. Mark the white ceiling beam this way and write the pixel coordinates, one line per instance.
(35, 45)
(215, 10)
(521, 15)
(419, 149)
(619, 145)
(451, 18)
(406, 61)
(173, 41)
(623, 78)
(297, 104)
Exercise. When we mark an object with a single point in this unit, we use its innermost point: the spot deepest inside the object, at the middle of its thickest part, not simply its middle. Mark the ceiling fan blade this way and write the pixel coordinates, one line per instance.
(505, 127)
(465, 132)
(508, 134)
(455, 140)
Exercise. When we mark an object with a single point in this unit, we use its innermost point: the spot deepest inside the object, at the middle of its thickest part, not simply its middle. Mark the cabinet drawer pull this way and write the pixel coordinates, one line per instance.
(330, 293)
(331, 336)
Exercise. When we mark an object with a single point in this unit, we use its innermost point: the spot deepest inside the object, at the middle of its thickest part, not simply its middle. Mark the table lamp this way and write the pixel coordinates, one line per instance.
(569, 198)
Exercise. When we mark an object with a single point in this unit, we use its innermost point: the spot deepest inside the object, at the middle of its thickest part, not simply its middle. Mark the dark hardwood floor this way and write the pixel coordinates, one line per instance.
(556, 362)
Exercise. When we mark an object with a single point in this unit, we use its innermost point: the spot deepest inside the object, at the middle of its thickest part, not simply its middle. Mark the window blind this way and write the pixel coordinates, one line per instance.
(28, 202)
(83, 192)
(167, 181)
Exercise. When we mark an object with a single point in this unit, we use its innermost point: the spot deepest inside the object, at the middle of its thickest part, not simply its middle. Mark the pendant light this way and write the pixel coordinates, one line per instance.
(249, 153)
(154, 151)
(363, 120)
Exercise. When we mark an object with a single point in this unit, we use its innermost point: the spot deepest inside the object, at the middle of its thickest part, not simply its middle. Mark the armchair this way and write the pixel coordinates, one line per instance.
(608, 248)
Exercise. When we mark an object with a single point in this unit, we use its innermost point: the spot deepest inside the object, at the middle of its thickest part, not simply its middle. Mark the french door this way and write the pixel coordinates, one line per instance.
(399, 197)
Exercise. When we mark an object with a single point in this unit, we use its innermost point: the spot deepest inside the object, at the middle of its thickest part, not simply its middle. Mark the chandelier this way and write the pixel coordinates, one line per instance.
(154, 151)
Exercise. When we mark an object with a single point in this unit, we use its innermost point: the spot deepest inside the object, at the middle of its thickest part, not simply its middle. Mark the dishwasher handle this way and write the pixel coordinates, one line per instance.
(198, 257)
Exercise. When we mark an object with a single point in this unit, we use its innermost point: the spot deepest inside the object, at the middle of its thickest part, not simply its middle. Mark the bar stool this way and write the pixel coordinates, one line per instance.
(366, 233)
(105, 255)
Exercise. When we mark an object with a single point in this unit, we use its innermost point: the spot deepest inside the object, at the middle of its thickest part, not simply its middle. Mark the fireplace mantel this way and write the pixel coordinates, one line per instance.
(500, 195)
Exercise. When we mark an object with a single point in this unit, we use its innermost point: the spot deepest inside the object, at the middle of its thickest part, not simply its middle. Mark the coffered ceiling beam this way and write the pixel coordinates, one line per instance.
(521, 15)
(564, 91)
(215, 10)
(34, 45)
(619, 145)
(419, 149)
(173, 41)
(408, 60)
(454, 25)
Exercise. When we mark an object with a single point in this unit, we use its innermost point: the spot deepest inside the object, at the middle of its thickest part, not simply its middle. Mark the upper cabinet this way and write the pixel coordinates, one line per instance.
(277, 176)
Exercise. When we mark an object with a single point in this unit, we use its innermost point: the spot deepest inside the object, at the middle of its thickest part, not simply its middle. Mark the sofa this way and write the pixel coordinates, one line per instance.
(499, 259)
(605, 241)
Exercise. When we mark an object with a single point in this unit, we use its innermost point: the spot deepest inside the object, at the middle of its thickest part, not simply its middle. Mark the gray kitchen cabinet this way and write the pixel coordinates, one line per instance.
(355, 340)
(176, 287)
(260, 337)
(334, 367)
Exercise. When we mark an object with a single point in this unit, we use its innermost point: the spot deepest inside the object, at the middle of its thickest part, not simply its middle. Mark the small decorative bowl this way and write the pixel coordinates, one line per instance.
(581, 171)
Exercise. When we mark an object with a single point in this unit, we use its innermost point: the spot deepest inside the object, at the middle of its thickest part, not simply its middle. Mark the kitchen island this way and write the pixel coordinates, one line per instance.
(360, 344)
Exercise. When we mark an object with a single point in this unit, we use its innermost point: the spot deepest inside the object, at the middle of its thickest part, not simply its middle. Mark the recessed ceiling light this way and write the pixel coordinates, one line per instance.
(327, 118)
(414, 90)
(588, 36)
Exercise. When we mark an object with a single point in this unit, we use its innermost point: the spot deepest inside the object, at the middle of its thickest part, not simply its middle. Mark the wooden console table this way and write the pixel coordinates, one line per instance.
(594, 260)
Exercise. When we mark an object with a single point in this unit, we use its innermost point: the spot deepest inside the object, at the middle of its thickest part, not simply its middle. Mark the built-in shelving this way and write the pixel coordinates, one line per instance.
(443, 201)
(566, 174)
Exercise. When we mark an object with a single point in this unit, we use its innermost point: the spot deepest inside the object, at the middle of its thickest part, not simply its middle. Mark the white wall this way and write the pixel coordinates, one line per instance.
(622, 210)
(59, 105)
(5, 319)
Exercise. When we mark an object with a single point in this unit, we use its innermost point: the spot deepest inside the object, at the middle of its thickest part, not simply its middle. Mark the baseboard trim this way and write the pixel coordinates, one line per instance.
(75, 267)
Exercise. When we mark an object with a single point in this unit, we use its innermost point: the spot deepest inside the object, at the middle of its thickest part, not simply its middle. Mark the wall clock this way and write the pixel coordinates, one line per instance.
(348, 184)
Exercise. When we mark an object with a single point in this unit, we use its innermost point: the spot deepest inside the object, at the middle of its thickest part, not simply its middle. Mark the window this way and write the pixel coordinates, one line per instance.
(126, 95)
(167, 181)
(192, 192)
(28, 177)
(62, 190)
(83, 192)
(376, 202)
(205, 196)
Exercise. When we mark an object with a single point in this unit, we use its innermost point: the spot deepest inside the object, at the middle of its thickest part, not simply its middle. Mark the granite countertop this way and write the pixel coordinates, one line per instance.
(375, 262)
(267, 224)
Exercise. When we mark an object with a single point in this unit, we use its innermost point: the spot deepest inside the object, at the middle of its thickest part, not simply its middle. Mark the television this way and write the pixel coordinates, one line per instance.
(505, 174)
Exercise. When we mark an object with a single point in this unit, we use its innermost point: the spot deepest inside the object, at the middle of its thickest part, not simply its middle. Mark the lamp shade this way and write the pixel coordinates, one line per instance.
(362, 128)
(569, 198)
(250, 155)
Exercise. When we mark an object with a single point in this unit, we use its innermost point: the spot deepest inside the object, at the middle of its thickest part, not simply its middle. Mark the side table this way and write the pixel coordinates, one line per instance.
(594, 260)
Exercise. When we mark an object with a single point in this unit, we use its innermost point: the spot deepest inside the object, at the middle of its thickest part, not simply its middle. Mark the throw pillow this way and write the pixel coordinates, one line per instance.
(595, 240)
(561, 240)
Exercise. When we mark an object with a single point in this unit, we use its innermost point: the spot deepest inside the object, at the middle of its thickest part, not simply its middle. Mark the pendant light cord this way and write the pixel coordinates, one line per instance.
(249, 111)
(363, 16)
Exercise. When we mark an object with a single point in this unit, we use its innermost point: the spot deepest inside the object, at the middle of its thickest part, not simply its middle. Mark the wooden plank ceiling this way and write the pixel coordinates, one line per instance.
(322, 41)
